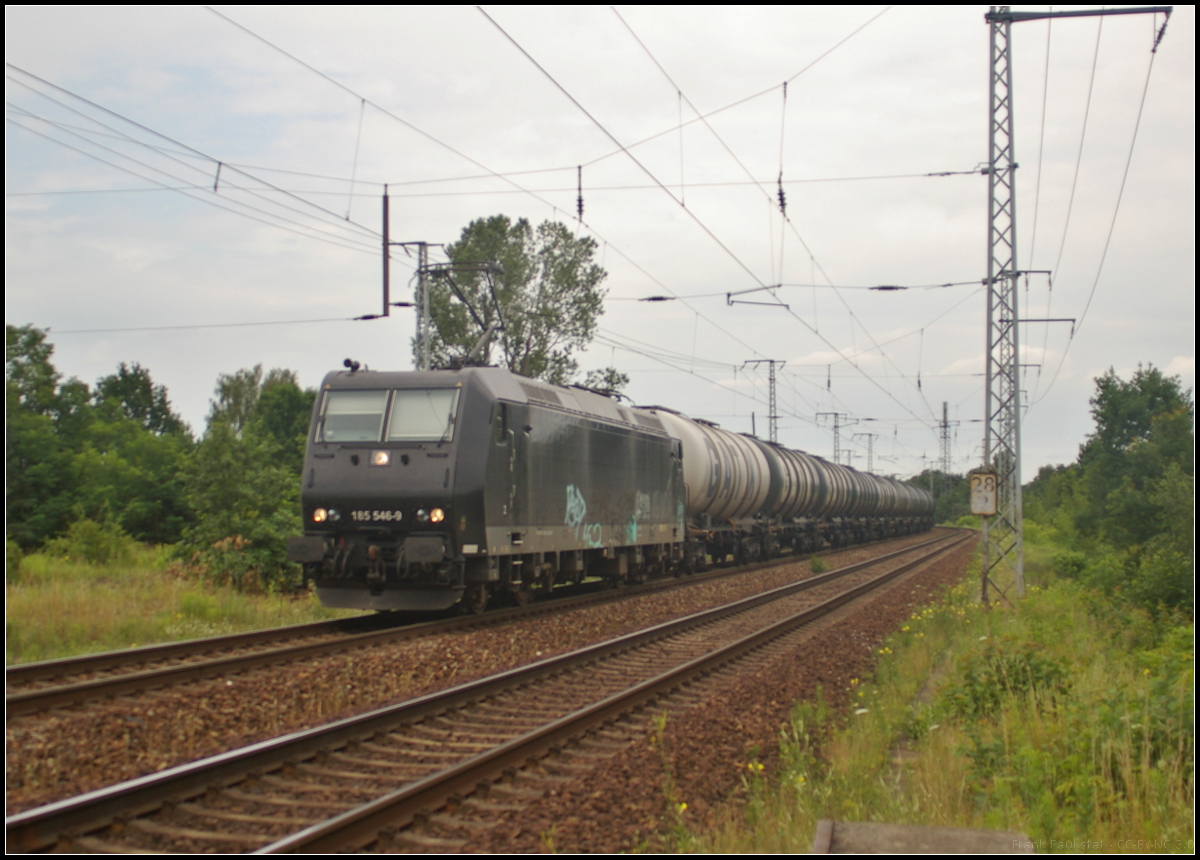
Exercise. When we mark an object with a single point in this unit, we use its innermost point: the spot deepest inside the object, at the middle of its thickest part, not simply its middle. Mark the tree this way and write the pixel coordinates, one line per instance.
(608, 381)
(31, 382)
(38, 486)
(246, 504)
(1143, 427)
(1124, 512)
(543, 289)
(237, 393)
(282, 413)
(113, 457)
(243, 482)
(133, 393)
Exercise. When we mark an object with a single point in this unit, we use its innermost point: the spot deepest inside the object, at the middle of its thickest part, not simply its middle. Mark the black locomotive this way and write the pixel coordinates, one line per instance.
(424, 489)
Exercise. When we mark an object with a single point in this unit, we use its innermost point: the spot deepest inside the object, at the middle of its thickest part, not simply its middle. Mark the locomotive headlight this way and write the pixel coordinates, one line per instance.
(380, 458)
(437, 515)
(319, 515)
(422, 516)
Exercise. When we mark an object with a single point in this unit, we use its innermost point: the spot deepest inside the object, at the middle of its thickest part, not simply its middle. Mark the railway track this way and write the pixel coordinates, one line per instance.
(341, 785)
(34, 687)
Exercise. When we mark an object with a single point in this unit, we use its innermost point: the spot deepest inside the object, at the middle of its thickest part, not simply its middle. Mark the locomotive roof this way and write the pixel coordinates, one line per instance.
(502, 384)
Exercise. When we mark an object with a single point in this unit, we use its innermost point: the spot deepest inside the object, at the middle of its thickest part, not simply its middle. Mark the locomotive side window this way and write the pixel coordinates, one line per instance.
(423, 415)
(352, 416)
(500, 423)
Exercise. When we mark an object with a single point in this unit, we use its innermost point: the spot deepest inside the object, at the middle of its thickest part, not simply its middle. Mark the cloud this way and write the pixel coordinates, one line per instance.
(1182, 365)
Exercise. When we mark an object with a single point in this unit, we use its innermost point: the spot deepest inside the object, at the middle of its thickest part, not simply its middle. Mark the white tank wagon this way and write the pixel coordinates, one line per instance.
(747, 497)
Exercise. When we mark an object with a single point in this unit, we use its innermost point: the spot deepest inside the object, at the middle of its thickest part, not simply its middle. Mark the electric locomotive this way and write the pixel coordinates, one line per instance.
(426, 488)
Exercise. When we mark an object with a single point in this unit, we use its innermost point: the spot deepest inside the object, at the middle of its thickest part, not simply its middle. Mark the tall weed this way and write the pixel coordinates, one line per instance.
(59, 607)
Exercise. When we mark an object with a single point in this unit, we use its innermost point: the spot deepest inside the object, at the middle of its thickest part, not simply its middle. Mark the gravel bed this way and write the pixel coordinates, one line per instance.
(622, 806)
(73, 750)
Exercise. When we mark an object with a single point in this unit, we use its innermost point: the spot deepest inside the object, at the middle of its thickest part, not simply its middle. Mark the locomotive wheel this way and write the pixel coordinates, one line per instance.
(476, 599)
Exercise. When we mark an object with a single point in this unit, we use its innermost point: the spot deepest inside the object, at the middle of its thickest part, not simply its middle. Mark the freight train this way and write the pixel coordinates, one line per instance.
(425, 489)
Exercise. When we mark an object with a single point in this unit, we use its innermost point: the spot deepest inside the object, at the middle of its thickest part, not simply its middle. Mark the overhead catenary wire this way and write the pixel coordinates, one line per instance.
(363, 100)
(506, 177)
(701, 117)
(675, 361)
(190, 150)
(786, 222)
(200, 326)
(354, 235)
(560, 189)
(1037, 185)
(218, 202)
(689, 212)
(362, 109)
(1112, 222)
(1055, 270)
(227, 202)
(649, 174)
(224, 202)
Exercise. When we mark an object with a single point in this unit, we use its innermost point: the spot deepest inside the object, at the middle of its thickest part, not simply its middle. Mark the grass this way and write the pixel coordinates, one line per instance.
(1064, 718)
(57, 607)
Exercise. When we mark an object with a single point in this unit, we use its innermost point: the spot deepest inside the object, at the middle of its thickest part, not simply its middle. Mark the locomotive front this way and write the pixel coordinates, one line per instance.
(384, 527)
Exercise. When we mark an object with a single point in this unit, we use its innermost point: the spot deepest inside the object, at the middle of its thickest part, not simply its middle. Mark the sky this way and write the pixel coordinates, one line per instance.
(199, 190)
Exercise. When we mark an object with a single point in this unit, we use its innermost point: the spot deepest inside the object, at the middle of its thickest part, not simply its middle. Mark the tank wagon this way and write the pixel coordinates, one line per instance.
(424, 489)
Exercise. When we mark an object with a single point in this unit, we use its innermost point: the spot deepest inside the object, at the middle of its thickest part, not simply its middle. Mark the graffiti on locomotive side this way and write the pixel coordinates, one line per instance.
(592, 534)
(576, 509)
(641, 509)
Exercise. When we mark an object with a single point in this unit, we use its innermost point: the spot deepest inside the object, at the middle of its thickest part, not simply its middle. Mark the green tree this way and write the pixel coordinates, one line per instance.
(243, 483)
(113, 457)
(127, 475)
(39, 482)
(282, 413)
(1143, 426)
(542, 288)
(31, 381)
(133, 394)
(1165, 566)
(1124, 512)
(245, 503)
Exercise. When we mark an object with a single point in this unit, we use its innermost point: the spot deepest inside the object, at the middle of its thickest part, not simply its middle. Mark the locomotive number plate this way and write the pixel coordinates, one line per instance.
(376, 516)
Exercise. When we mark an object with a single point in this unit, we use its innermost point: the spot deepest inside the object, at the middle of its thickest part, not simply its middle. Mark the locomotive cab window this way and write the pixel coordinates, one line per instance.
(352, 416)
(423, 415)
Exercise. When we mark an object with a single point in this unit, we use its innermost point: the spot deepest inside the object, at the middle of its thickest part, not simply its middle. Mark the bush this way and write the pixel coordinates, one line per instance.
(246, 507)
(12, 560)
(1068, 563)
(94, 543)
(236, 561)
(1003, 668)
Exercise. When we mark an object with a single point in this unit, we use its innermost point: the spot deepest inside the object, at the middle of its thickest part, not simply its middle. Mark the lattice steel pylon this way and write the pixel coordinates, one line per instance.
(1002, 543)
(944, 434)
(773, 410)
